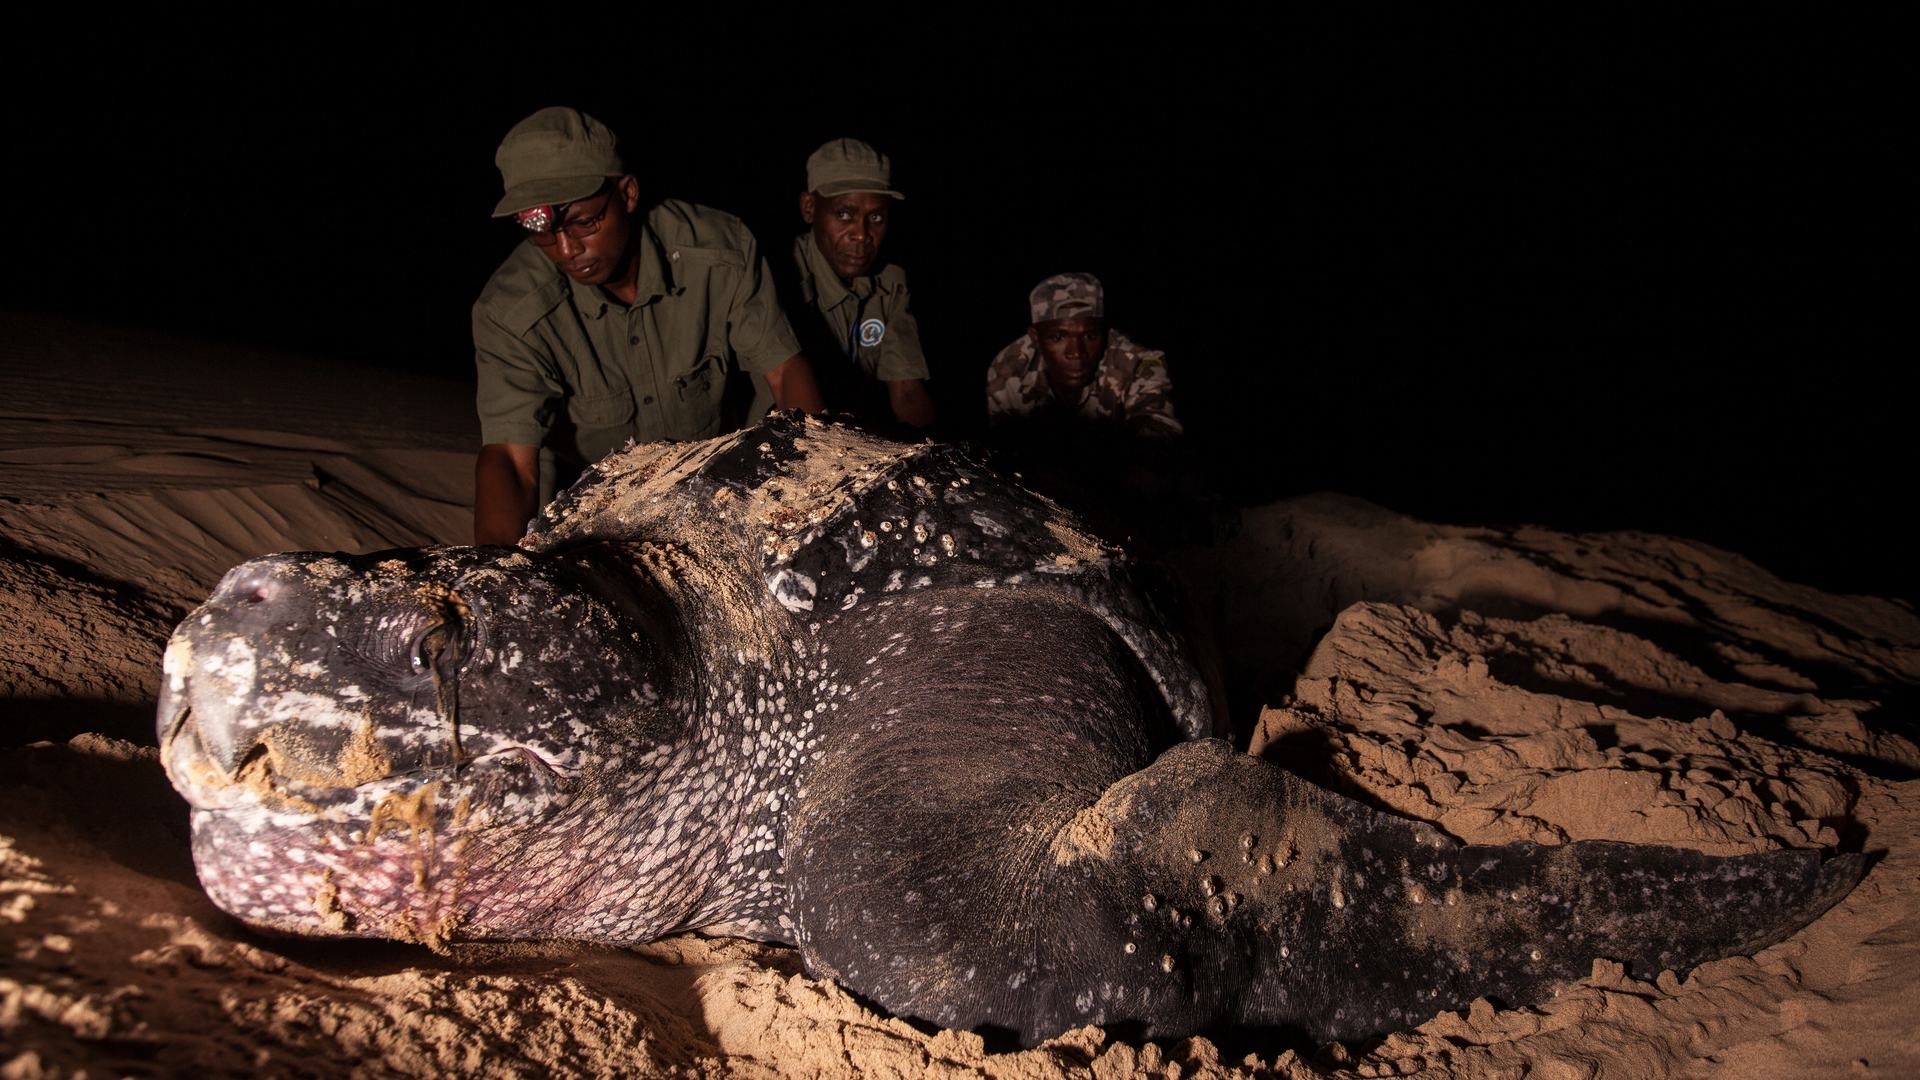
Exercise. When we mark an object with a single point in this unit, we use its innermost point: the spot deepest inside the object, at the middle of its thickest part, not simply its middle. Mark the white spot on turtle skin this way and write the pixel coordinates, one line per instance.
(176, 661)
(794, 590)
(1166, 963)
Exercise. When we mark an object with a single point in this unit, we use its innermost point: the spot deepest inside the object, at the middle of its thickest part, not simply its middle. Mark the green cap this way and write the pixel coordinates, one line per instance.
(844, 166)
(555, 156)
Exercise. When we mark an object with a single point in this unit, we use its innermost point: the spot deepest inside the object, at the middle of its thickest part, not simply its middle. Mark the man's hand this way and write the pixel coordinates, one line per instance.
(794, 386)
(912, 405)
(505, 487)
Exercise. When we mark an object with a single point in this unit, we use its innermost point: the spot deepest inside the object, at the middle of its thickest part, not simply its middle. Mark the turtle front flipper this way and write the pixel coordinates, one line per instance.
(978, 849)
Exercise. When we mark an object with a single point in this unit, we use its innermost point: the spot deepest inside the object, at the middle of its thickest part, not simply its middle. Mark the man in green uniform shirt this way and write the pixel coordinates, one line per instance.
(609, 324)
(850, 308)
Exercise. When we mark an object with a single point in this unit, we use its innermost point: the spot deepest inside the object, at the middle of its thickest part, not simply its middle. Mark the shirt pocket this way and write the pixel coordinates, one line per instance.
(600, 410)
(697, 383)
(701, 390)
(602, 423)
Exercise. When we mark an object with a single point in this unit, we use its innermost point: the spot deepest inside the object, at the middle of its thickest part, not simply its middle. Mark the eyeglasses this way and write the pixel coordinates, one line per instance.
(543, 233)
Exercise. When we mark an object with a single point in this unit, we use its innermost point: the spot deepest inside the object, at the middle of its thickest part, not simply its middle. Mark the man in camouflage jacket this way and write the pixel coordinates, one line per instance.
(1069, 365)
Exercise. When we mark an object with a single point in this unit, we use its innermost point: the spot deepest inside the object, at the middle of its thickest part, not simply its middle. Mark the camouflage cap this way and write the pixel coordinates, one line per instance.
(844, 166)
(557, 155)
(1068, 296)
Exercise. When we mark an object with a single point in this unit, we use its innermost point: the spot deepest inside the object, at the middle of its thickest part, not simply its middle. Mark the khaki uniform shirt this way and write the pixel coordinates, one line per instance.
(857, 336)
(869, 318)
(1129, 387)
(565, 366)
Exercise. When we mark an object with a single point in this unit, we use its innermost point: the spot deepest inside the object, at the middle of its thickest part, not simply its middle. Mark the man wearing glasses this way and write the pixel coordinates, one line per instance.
(609, 324)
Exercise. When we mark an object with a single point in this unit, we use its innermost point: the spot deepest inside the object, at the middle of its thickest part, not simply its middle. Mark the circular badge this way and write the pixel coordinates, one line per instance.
(871, 332)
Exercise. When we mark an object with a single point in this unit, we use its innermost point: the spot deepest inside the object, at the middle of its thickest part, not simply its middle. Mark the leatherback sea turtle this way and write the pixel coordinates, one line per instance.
(867, 698)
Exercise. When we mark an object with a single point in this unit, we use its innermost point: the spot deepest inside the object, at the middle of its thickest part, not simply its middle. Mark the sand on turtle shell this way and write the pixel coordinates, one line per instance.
(1499, 683)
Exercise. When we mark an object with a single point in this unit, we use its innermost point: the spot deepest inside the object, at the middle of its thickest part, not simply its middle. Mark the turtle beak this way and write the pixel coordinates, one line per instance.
(201, 760)
(212, 665)
(233, 653)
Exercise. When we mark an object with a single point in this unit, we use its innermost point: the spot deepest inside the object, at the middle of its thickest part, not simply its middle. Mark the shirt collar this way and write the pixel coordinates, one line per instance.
(819, 282)
(653, 277)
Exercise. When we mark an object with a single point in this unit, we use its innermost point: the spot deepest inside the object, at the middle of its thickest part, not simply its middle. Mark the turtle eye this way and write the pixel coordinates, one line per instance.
(441, 644)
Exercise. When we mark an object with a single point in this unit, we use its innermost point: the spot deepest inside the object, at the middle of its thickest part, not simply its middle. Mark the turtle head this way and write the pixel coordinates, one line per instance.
(373, 744)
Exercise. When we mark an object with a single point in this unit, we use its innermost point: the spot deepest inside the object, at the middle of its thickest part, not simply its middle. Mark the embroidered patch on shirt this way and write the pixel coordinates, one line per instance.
(871, 332)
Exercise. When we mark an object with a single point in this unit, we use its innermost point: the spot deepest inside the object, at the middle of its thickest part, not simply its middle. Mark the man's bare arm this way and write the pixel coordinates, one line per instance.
(794, 386)
(911, 402)
(505, 487)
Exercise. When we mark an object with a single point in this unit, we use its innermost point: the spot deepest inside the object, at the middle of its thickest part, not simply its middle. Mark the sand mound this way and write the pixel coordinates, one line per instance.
(1500, 683)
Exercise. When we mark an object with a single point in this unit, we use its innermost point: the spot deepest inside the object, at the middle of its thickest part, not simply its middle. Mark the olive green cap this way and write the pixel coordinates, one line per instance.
(844, 166)
(555, 156)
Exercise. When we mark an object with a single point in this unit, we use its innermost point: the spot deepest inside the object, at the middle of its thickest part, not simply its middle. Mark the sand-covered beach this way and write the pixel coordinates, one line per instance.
(1501, 682)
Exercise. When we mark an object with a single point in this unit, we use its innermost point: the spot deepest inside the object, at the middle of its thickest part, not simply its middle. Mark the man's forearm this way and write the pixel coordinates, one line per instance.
(794, 387)
(505, 488)
(911, 402)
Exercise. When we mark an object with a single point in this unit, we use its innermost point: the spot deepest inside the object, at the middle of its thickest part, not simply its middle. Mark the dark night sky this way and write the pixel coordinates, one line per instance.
(1598, 272)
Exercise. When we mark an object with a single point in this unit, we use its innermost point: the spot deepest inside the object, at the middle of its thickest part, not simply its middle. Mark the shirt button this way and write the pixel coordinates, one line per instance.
(648, 400)
(633, 341)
